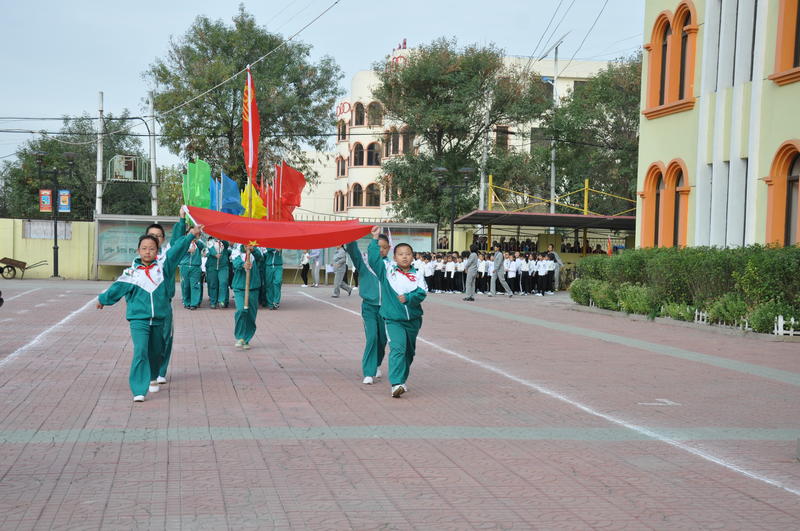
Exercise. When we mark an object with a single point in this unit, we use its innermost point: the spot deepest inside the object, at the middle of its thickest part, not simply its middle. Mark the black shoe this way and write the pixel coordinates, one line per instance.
(469, 299)
(192, 307)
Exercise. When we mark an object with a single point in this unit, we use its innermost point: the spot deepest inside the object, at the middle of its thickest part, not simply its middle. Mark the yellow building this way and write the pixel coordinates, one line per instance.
(719, 152)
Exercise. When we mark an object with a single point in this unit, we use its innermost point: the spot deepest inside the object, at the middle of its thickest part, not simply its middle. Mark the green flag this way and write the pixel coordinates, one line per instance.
(196, 184)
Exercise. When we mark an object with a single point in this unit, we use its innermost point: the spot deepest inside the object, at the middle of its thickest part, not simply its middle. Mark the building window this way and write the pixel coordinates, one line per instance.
(787, 53)
(577, 88)
(358, 114)
(336, 203)
(358, 155)
(374, 113)
(373, 194)
(657, 218)
(501, 139)
(395, 141)
(671, 60)
(783, 195)
(792, 200)
(341, 166)
(676, 216)
(374, 154)
(341, 130)
(357, 194)
(408, 141)
(665, 205)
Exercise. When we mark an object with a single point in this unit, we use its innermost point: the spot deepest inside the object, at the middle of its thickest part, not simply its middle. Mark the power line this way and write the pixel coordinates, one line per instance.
(552, 33)
(585, 36)
(536, 48)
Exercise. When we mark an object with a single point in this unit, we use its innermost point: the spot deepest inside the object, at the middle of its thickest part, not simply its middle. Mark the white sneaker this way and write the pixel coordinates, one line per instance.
(245, 346)
(398, 390)
(367, 380)
(153, 388)
(304, 285)
(378, 373)
(138, 398)
(239, 343)
(161, 380)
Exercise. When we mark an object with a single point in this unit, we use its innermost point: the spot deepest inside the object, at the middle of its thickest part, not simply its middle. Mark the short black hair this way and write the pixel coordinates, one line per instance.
(396, 247)
(383, 237)
(156, 226)
(144, 237)
(473, 248)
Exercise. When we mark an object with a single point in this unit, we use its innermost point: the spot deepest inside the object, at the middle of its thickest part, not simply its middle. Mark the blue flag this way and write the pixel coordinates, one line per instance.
(231, 198)
(214, 190)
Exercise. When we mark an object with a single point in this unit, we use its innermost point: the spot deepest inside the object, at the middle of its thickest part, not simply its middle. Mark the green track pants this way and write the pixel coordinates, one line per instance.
(148, 344)
(375, 330)
(191, 286)
(167, 345)
(245, 320)
(273, 282)
(402, 347)
(217, 280)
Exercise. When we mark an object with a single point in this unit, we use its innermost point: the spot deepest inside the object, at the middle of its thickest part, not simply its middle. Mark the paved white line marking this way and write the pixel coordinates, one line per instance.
(660, 402)
(41, 304)
(6, 320)
(591, 411)
(38, 338)
(23, 311)
(21, 294)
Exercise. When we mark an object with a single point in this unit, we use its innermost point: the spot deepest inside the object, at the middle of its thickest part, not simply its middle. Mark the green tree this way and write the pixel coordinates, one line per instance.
(170, 192)
(295, 96)
(597, 133)
(22, 180)
(442, 92)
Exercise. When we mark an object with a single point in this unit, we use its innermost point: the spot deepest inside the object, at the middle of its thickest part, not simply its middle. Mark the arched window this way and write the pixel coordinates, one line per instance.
(687, 21)
(792, 200)
(358, 155)
(408, 141)
(676, 226)
(373, 194)
(374, 154)
(358, 114)
(336, 203)
(375, 113)
(341, 166)
(387, 143)
(664, 63)
(342, 130)
(657, 218)
(783, 195)
(356, 194)
(787, 53)
(395, 141)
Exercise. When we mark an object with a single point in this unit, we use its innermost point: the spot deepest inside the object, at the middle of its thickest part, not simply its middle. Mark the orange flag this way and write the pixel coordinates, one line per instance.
(251, 127)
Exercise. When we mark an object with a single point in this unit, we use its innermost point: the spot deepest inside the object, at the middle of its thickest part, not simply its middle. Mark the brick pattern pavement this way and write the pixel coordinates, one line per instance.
(285, 436)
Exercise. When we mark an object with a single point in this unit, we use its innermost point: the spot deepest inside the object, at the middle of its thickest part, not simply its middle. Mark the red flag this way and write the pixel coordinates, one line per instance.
(251, 128)
(293, 183)
(610, 248)
(278, 234)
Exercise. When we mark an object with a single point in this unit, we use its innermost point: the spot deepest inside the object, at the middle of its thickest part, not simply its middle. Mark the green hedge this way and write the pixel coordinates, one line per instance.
(753, 282)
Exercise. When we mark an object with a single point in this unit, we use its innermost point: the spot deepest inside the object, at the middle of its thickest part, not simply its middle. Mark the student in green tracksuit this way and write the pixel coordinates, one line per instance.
(273, 277)
(245, 319)
(178, 231)
(217, 263)
(144, 287)
(374, 328)
(402, 291)
(192, 275)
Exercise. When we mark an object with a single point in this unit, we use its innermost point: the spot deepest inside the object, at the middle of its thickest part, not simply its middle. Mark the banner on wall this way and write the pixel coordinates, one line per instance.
(45, 200)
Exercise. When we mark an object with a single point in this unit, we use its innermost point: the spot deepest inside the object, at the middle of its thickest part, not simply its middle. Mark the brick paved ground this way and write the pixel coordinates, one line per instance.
(521, 414)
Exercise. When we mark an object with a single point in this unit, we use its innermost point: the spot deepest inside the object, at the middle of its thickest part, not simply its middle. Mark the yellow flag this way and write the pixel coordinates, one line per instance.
(259, 210)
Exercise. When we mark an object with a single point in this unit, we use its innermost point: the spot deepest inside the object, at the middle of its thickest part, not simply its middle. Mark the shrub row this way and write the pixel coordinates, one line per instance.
(755, 283)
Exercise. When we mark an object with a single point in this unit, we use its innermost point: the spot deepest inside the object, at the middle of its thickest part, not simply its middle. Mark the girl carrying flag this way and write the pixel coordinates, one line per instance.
(145, 288)
(402, 291)
(245, 318)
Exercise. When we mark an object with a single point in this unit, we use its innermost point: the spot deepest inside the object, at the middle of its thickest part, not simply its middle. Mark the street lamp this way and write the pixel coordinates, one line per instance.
(54, 198)
(441, 172)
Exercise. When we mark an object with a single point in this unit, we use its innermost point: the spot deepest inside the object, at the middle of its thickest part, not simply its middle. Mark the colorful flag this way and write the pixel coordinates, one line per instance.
(215, 192)
(289, 184)
(259, 211)
(197, 184)
(251, 128)
(610, 250)
(231, 198)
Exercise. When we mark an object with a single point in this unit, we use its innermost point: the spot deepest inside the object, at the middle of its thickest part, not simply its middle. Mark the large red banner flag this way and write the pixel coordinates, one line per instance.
(251, 127)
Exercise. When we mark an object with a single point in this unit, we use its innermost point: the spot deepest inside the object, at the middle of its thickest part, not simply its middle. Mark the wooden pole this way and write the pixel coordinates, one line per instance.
(247, 253)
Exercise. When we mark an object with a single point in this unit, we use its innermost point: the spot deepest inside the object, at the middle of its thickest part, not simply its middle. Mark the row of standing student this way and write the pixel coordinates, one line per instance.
(523, 273)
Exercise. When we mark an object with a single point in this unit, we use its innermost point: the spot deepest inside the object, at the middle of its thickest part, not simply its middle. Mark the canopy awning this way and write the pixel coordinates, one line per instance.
(545, 219)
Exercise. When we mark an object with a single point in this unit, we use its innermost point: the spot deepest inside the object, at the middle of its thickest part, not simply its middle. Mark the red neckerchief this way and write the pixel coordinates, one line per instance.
(409, 276)
(147, 270)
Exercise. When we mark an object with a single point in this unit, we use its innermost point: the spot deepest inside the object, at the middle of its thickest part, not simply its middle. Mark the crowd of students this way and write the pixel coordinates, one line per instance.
(525, 273)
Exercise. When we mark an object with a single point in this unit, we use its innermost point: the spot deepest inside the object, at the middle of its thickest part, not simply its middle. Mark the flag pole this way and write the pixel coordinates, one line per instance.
(249, 169)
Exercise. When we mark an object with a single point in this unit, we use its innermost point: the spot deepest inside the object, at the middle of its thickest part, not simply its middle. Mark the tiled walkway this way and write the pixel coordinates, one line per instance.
(521, 414)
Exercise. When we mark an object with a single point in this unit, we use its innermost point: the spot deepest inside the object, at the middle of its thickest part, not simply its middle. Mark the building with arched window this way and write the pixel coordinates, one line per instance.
(719, 145)
(366, 137)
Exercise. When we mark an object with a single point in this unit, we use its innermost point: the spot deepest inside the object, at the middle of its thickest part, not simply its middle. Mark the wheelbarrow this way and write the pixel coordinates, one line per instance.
(10, 266)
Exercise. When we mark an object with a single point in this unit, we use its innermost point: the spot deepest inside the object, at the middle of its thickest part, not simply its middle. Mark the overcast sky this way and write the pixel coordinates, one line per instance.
(57, 55)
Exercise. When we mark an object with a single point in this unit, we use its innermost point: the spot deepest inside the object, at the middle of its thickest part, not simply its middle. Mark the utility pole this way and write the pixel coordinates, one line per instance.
(98, 197)
(485, 153)
(553, 141)
(153, 171)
